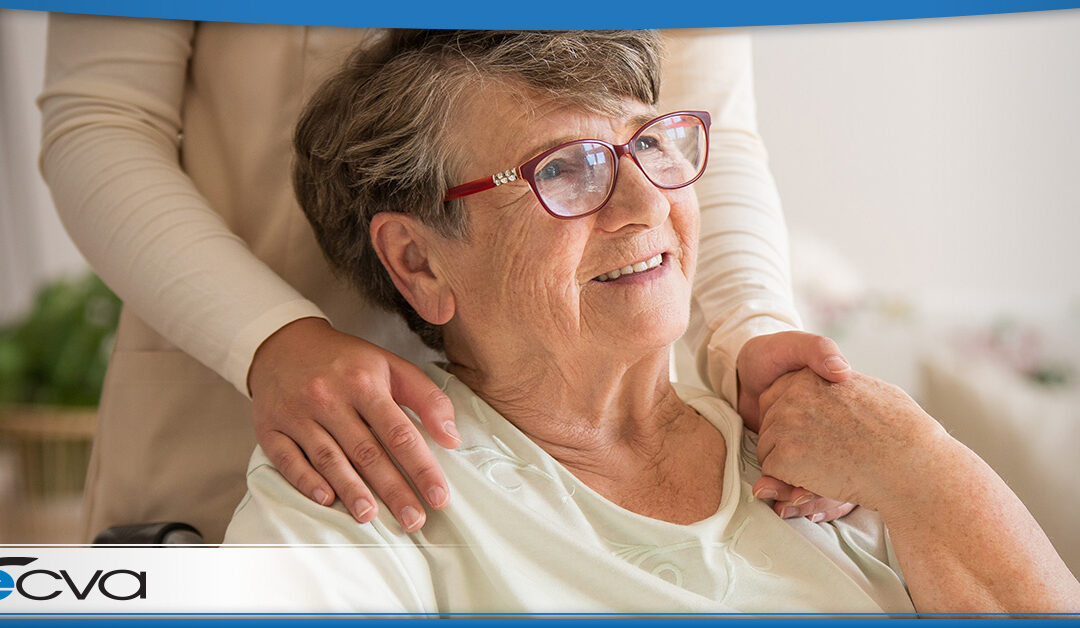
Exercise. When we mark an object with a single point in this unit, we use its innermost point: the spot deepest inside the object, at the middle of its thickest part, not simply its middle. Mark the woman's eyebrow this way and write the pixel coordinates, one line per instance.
(639, 120)
(548, 144)
(634, 123)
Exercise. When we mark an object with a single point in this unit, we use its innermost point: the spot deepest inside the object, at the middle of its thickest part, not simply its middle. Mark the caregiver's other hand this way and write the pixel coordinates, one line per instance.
(860, 441)
(761, 361)
(793, 501)
(321, 397)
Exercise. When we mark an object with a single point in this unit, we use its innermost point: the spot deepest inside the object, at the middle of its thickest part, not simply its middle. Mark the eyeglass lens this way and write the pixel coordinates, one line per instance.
(578, 178)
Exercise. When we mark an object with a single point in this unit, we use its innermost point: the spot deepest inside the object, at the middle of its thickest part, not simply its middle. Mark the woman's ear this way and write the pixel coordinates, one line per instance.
(403, 245)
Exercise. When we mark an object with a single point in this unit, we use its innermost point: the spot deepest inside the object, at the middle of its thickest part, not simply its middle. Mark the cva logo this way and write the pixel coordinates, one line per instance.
(7, 583)
(44, 584)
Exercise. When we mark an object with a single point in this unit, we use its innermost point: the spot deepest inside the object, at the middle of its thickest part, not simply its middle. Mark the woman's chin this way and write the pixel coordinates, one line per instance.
(649, 312)
(657, 327)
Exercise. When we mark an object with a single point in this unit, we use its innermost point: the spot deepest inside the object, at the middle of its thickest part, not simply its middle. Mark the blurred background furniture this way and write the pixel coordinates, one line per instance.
(44, 452)
(1026, 427)
(52, 363)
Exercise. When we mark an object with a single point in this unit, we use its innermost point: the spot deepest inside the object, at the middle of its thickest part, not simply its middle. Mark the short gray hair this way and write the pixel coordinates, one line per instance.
(374, 137)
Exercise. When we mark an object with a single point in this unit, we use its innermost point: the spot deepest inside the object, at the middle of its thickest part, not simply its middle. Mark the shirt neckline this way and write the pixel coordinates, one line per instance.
(709, 407)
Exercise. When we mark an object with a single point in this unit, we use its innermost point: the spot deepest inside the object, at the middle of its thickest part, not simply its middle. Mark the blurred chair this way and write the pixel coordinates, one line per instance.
(161, 533)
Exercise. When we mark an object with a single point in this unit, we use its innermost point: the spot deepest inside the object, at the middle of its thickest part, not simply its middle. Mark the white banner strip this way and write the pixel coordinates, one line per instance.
(172, 579)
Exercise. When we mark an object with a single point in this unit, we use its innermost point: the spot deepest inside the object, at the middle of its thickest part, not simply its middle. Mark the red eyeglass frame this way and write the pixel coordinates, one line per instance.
(527, 170)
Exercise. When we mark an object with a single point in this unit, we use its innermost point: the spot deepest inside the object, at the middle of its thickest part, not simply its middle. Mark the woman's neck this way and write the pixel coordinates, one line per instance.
(617, 426)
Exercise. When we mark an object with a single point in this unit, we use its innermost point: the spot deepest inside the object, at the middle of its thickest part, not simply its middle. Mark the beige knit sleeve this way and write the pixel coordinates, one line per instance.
(110, 155)
(743, 285)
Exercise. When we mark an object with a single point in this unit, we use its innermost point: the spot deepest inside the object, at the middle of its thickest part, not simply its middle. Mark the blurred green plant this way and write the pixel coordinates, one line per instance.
(58, 353)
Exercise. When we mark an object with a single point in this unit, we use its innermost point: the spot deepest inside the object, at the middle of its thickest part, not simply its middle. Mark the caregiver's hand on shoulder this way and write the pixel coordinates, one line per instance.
(761, 361)
(860, 441)
(321, 397)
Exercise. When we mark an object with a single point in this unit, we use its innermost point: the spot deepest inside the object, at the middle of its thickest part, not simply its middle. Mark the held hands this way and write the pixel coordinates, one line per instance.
(321, 397)
(761, 362)
(860, 441)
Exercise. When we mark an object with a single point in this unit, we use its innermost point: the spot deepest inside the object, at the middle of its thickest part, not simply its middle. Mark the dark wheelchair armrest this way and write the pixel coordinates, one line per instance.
(161, 533)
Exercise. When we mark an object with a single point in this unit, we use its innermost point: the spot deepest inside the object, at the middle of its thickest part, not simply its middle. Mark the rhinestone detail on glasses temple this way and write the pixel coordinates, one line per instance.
(506, 176)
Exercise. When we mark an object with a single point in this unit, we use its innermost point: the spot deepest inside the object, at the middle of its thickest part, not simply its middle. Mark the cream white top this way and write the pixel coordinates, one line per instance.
(522, 533)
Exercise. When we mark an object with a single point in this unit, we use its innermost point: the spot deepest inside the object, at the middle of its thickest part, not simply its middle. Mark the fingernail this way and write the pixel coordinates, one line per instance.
(837, 364)
(451, 430)
(410, 519)
(321, 497)
(802, 499)
(789, 512)
(766, 493)
(362, 507)
(817, 517)
(436, 496)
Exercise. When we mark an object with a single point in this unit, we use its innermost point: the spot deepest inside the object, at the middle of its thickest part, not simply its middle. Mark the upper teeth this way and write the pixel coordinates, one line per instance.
(630, 269)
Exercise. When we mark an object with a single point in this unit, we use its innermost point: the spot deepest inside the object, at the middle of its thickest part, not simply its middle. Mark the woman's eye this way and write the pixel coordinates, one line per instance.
(646, 142)
(549, 171)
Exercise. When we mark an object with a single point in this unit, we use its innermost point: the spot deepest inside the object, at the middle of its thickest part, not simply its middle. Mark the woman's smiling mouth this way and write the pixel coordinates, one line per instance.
(630, 269)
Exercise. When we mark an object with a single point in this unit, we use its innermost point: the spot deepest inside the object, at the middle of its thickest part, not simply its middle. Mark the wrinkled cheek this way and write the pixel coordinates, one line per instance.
(536, 303)
(687, 229)
(688, 259)
(680, 311)
(591, 316)
(556, 311)
(538, 279)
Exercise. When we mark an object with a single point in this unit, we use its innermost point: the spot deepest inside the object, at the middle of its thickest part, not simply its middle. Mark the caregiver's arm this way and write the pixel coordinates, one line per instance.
(742, 288)
(965, 542)
(743, 315)
(110, 154)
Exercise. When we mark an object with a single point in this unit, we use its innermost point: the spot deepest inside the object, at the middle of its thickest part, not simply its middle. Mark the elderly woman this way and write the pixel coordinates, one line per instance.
(519, 201)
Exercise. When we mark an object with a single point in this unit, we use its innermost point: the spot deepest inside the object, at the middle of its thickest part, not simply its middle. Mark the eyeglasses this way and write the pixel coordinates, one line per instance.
(577, 178)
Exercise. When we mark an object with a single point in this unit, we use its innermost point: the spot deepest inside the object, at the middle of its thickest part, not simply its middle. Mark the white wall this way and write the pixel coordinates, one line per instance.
(33, 245)
(941, 157)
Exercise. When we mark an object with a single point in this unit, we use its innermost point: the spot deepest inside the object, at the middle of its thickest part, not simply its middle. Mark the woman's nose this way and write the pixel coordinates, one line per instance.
(635, 200)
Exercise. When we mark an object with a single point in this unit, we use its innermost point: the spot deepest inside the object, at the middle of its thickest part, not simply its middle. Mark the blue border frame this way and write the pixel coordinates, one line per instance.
(563, 620)
(557, 14)
(562, 14)
(802, 620)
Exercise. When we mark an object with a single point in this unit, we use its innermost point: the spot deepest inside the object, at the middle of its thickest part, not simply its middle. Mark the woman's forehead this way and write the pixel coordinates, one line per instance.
(504, 126)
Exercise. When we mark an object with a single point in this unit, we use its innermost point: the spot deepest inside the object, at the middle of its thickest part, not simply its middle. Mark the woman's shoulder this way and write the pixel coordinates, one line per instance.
(709, 405)
(274, 512)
